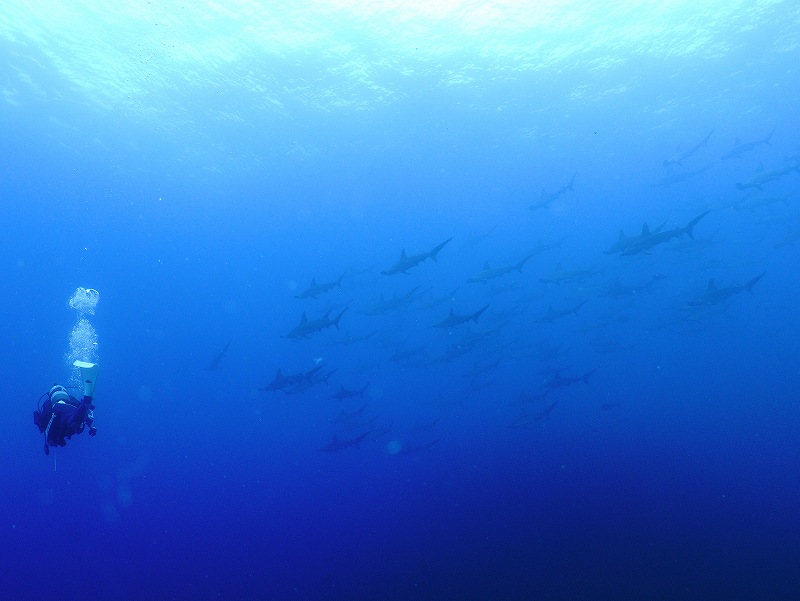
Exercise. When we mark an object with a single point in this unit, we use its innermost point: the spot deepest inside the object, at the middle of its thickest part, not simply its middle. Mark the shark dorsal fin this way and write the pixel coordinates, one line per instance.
(621, 235)
(451, 312)
(279, 375)
(645, 230)
(486, 266)
(303, 319)
(711, 284)
(314, 281)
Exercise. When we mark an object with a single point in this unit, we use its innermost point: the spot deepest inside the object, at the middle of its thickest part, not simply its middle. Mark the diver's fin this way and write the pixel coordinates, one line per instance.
(88, 375)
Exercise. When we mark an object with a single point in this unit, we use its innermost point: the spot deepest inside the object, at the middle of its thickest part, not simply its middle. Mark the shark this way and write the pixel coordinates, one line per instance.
(281, 381)
(315, 289)
(754, 201)
(339, 444)
(676, 177)
(478, 369)
(489, 273)
(305, 383)
(649, 240)
(545, 199)
(407, 262)
(475, 239)
(567, 275)
(678, 158)
(558, 381)
(217, 359)
(526, 419)
(402, 356)
(624, 242)
(617, 288)
(310, 326)
(740, 148)
(344, 393)
(435, 301)
(553, 314)
(715, 295)
(345, 417)
(762, 177)
(454, 319)
(384, 305)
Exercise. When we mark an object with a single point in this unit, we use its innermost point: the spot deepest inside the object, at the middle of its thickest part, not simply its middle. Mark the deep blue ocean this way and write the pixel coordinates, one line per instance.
(368, 327)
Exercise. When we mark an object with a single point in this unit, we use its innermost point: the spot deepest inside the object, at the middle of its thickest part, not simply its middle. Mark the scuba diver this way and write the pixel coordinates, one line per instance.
(62, 415)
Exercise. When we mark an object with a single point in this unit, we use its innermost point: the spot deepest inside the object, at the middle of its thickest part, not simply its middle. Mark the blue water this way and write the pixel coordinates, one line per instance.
(199, 163)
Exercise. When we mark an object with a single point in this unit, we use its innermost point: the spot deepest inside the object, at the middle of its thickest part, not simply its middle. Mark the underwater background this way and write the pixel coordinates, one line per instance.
(486, 391)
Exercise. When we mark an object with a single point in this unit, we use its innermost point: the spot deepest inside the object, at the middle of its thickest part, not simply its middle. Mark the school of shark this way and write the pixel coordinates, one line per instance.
(534, 314)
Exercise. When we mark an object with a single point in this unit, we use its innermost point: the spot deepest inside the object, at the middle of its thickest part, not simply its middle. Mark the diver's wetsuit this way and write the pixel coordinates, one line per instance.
(69, 417)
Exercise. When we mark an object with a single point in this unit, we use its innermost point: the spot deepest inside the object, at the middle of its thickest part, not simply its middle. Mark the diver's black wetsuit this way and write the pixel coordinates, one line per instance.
(68, 418)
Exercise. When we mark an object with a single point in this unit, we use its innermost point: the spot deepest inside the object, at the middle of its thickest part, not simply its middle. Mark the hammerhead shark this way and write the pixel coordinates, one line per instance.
(545, 199)
(489, 273)
(309, 326)
(526, 419)
(345, 417)
(674, 177)
(385, 305)
(315, 289)
(649, 239)
(558, 381)
(217, 359)
(345, 393)
(740, 148)
(453, 319)
(553, 314)
(340, 444)
(405, 263)
(624, 242)
(281, 381)
(762, 177)
(716, 295)
(681, 156)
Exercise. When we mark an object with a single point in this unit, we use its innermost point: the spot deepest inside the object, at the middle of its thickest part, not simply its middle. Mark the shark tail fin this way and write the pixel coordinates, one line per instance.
(519, 265)
(435, 251)
(338, 317)
(585, 377)
(749, 285)
(477, 314)
(689, 229)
